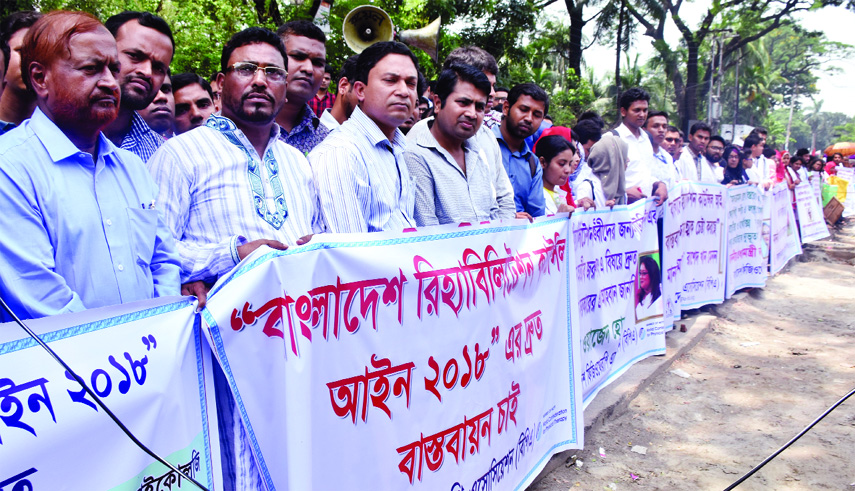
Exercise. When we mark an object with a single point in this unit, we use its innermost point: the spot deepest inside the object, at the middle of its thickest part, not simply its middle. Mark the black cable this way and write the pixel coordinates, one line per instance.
(96, 398)
(795, 438)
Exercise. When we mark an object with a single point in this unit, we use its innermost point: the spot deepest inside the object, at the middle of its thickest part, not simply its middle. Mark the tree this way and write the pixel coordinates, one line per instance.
(749, 20)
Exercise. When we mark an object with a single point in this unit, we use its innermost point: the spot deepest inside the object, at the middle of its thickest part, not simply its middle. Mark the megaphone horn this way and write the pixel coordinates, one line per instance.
(366, 25)
(426, 38)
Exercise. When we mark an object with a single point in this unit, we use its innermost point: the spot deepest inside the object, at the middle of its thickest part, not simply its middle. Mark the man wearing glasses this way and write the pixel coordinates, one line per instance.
(231, 186)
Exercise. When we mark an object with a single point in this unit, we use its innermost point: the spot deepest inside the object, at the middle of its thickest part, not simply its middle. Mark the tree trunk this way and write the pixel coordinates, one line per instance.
(577, 23)
(690, 98)
(617, 59)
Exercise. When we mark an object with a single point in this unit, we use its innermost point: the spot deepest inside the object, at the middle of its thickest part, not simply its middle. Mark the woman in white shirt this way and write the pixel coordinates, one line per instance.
(558, 158)
(648, 289)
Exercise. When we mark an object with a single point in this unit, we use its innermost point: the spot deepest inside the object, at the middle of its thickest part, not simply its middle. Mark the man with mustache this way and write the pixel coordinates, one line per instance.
(145, 50)
(452, 175)
(232, 186)
(305, 44)
(363, 180)
(82, 228)
(160, 114)
(522, 114)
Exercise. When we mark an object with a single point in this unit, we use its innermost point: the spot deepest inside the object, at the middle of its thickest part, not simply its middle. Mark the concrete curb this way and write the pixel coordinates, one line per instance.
(614, 400)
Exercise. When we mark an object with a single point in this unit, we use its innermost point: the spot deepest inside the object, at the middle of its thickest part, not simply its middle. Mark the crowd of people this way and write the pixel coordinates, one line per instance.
(120, 181)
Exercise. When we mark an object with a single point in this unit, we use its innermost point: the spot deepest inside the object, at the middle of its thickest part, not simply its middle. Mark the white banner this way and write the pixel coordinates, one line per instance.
(811, 219)
(848, 174)
(816, 186)
(747, 258)
(435, 360)
(618, 273)
(785, 238)
(145, 360)
(694, 241)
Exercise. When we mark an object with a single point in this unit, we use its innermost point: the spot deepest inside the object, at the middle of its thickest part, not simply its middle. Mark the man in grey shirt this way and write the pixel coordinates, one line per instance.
(452, 174)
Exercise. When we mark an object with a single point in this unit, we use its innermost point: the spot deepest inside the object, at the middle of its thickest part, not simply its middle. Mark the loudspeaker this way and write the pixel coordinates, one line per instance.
(426, 38)
(366, 25)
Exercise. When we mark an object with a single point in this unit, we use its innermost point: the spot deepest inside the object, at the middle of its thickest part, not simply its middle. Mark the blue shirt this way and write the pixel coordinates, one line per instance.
(528, 189)
(307, 134)
(363, 180)
(78, 234)
(141, 139)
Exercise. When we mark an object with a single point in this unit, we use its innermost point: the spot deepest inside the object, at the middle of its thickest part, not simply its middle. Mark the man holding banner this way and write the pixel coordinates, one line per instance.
(221, 198)
(82, 230)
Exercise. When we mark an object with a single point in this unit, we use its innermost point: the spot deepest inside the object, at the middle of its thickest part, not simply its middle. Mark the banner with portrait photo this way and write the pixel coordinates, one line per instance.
(694, 242)
(146, 361)
(811, 218)
(747, 254)
(785, 243)
(440, 359)
(617, 268)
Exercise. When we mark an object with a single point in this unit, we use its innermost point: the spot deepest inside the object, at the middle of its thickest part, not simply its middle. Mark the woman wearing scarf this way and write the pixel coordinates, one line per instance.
(734, 173)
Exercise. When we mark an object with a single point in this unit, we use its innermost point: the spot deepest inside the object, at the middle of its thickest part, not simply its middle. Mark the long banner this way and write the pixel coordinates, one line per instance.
(694, 246)
(811, 219)
(440, 361)
(747, 256)
(145, 361)
(618, 273)
(448, 358)
(785, 243)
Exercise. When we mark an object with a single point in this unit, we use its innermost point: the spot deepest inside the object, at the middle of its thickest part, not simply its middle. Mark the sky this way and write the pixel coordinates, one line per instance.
(837, 92)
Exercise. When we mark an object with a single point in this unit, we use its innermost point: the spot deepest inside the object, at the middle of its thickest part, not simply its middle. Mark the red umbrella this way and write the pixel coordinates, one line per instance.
(843, 148)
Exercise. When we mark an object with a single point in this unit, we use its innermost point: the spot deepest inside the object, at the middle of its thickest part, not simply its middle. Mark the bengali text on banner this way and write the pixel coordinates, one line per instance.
(617, 268)
(694, 245)
(785, 243)
(440, 360)
(145, 360)
(747, 239)
(811, 219)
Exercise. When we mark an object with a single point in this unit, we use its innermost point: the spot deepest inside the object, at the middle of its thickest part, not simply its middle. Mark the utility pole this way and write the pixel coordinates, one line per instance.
(736, 99)
(790, 121)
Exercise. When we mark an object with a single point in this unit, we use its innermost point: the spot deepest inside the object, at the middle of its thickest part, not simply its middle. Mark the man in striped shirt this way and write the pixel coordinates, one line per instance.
(231, 186)
(454, 180)
(363, 180)
(146, 48)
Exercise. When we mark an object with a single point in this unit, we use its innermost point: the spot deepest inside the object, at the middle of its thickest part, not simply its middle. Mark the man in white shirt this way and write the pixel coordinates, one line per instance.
(759, 172)
(640, 179)
(664, 168)
(693, 165)
(345, 97)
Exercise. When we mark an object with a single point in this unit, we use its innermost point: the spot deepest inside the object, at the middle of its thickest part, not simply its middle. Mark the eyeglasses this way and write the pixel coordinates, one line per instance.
(246, 69)
(671, 140)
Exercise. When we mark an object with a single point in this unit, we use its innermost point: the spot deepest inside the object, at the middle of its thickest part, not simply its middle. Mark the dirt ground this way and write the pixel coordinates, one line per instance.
(773, 362)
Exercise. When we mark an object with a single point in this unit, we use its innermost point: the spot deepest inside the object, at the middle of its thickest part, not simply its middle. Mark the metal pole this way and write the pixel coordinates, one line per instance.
(712, 69)
(790, 121)
(736, 103)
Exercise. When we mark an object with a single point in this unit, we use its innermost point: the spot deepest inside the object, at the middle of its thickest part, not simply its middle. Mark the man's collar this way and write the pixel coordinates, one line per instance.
(373, 132)
(57, 144)
(426, 139)
(497, 130)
